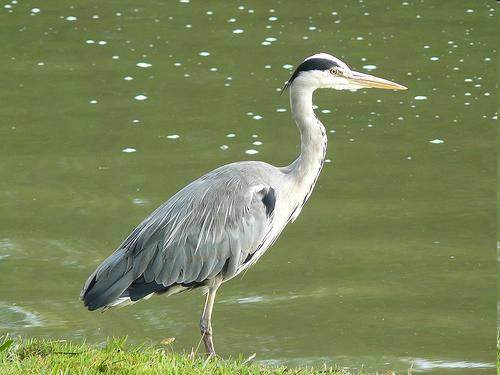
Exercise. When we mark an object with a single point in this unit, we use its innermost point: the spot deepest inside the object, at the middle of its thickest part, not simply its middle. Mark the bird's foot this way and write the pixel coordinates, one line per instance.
(209, 344)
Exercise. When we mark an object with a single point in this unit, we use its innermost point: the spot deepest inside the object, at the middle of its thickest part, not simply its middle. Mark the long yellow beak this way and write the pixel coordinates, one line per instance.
(366, 80)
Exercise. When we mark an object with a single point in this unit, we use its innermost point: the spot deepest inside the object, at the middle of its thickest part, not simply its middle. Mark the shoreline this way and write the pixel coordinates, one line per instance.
(42, 356)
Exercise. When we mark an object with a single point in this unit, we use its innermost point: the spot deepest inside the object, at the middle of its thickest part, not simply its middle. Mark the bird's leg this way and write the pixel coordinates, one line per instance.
(206, 318)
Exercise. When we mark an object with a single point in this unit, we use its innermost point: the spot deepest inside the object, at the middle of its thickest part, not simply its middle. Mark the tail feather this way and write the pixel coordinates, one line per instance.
(123, 279)
(108, 281)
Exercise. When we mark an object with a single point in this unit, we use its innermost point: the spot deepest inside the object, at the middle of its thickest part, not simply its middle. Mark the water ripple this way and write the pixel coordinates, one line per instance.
(15, 316)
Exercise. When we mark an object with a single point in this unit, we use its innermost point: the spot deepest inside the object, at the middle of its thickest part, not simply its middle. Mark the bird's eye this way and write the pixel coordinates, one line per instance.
(334, 71)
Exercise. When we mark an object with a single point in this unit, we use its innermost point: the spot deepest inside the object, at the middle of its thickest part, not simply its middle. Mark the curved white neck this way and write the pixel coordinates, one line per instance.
(307, 166)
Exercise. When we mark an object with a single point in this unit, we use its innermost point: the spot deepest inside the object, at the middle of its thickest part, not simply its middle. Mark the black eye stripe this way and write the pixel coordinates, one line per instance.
(312, 64)
(316, 64)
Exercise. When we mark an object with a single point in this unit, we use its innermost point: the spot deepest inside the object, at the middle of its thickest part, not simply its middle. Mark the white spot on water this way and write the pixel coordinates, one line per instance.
(436, 141)
(35, 10)
(224, 147)
(251, 152)
(257, 117)
(143, 65)
(238, 31)
(139, 201)
(434, 58)
(231, 135)
(204, 54)
(369, 67)
(128, 78)
(140, 97)
(281, 110)
(90, 41)
(288, 66)
(129, 150)
(93, 101)
(71, 18)
(173, 136)
(257, 143)
(420, 97)
(102, 42)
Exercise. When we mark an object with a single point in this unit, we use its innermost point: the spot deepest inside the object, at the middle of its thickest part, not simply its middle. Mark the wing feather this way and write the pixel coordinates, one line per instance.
(209, 228)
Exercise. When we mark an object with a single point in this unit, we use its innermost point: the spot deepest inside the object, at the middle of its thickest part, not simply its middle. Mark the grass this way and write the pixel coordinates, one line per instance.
(38, 356)
(58, 357)
(498, 352)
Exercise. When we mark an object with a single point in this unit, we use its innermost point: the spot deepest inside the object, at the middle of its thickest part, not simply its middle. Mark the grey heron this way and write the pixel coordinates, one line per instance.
(223, 222)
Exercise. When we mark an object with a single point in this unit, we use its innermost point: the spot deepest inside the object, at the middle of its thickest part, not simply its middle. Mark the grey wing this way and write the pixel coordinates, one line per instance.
(211, 227)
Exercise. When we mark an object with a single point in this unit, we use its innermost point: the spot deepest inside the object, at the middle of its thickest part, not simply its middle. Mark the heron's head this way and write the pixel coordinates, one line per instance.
(325, 71)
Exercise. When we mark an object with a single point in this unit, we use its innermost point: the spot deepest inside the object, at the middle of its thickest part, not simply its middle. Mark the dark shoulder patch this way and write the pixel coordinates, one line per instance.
(269, 200)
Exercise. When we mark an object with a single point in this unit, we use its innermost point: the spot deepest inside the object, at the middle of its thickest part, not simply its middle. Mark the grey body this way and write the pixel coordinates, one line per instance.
(222, 223)
(218, 225)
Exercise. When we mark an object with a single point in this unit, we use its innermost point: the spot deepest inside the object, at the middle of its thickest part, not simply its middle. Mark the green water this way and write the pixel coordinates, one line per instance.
(392, 261)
